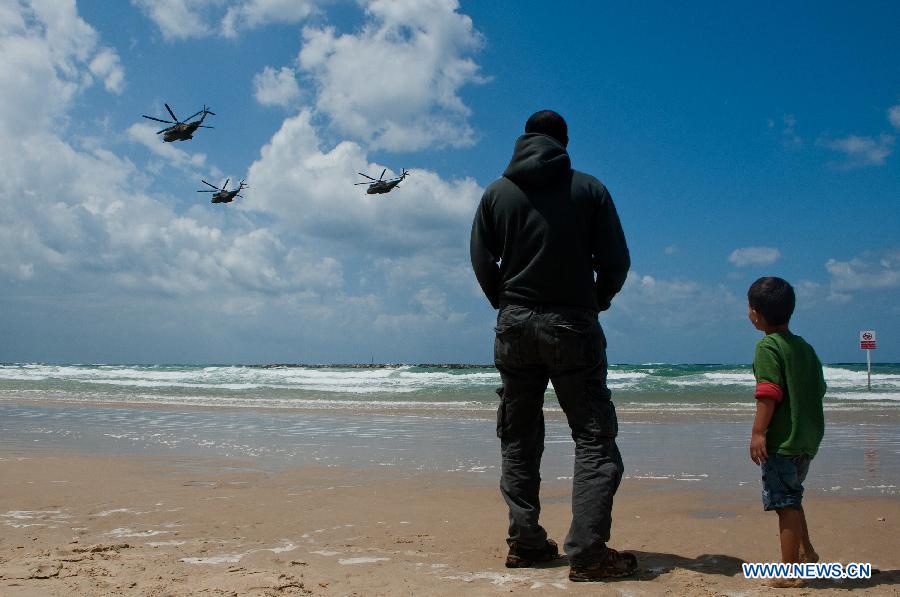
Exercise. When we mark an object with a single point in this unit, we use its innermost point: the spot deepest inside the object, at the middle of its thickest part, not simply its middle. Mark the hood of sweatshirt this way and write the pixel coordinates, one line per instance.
(537, 161)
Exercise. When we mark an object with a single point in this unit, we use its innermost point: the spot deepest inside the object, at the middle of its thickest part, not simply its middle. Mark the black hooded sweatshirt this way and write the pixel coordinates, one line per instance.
(543, 230)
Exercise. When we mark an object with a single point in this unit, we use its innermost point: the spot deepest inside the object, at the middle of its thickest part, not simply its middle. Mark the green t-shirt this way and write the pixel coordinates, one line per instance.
(790, 363)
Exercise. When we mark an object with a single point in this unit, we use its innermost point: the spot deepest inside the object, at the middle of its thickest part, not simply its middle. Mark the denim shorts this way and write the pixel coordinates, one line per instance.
(782, 480)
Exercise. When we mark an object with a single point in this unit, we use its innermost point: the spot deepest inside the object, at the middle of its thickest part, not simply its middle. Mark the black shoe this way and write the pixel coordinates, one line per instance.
(525, 557)
(615, 565)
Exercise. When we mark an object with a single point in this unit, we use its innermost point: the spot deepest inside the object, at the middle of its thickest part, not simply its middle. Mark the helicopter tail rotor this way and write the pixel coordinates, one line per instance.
(202, 113)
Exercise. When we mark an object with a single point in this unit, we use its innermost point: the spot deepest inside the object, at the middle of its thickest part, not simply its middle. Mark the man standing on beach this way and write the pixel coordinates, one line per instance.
(541, 233)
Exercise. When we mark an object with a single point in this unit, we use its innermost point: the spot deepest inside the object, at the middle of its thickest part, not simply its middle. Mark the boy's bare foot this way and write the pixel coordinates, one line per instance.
(810, 557)
(785, 583)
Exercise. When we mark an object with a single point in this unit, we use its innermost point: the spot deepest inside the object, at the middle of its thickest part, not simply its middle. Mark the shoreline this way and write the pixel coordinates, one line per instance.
(857, 456)
(837, 411)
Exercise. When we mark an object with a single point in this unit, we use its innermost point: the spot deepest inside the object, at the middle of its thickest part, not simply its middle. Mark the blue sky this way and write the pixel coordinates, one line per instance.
(736, 141)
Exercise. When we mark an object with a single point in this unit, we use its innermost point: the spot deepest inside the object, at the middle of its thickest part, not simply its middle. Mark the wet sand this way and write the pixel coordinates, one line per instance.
(184, 525)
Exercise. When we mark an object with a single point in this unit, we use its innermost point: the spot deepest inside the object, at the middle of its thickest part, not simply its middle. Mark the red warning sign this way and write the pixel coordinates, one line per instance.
(867, 340)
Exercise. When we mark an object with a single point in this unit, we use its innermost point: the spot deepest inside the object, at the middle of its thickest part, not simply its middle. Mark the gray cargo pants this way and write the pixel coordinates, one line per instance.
(536, 344)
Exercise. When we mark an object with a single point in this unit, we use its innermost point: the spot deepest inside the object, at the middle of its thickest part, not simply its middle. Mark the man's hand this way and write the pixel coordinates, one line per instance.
(758, 452)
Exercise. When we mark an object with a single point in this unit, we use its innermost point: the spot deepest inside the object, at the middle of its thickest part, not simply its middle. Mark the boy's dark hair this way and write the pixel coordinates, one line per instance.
(550, 123)
(773, 298)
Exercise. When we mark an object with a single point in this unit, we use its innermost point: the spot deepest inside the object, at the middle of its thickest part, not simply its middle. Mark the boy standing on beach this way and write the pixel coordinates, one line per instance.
(789, 420)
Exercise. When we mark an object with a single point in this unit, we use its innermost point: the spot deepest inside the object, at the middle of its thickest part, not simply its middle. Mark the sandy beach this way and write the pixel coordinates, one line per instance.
(156, 525)
(121, 480)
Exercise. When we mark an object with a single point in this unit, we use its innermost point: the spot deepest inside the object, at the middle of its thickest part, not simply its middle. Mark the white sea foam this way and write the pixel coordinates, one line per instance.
(362, 560)
(31, 514)
(237, 557)
(116, 511)
(401, 386)
(495, 578)
(865, 396)
(713, 379)
(124, 532)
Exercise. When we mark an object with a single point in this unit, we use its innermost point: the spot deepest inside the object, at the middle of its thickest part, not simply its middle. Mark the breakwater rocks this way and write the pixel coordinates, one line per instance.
(372, 366)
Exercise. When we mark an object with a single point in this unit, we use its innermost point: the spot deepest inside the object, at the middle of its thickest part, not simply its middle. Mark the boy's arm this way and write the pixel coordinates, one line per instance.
(765, 408)
(769, 372)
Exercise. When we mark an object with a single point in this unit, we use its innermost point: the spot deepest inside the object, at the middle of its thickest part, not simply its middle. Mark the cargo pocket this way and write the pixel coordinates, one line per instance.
(501, 413)
(603, 420)
(506, 344)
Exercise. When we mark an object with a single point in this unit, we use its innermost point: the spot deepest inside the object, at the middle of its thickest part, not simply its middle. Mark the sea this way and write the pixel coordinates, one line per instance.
(679, 423)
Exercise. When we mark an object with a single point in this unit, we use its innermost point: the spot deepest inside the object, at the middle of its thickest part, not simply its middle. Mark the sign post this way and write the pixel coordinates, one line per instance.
(867, 343)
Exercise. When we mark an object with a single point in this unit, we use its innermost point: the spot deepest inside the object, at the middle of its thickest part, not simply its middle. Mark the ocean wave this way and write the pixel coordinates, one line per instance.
(713, 379)
(865, 396)
(683, 382)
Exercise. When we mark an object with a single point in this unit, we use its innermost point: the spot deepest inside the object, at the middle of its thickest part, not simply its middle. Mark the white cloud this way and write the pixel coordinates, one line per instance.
(395, 84)
(74, 213)
(183, 19)
(861, 151)
(254, 13)
(894, 116)
(87, 228)
(748, 256)
(311, 190)
(276, 88)
(789, 137)
(648, 301)
(865, 273)
(107, 66)
(46, 48)
(178, 19)
(146, 135)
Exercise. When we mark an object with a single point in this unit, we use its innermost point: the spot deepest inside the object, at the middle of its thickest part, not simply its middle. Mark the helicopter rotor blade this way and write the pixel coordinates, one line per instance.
(175, 118)
(192, 115)
(210, 185)
(205, 191)
(366, 175)
(203, 126)
(157, 119)
(225, 186)
(356, 184)
(382, 174)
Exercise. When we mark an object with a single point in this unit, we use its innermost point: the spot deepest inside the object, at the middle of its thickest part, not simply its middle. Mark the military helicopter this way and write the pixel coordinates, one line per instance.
(222, 195)
(381, 186)
(182, 130)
